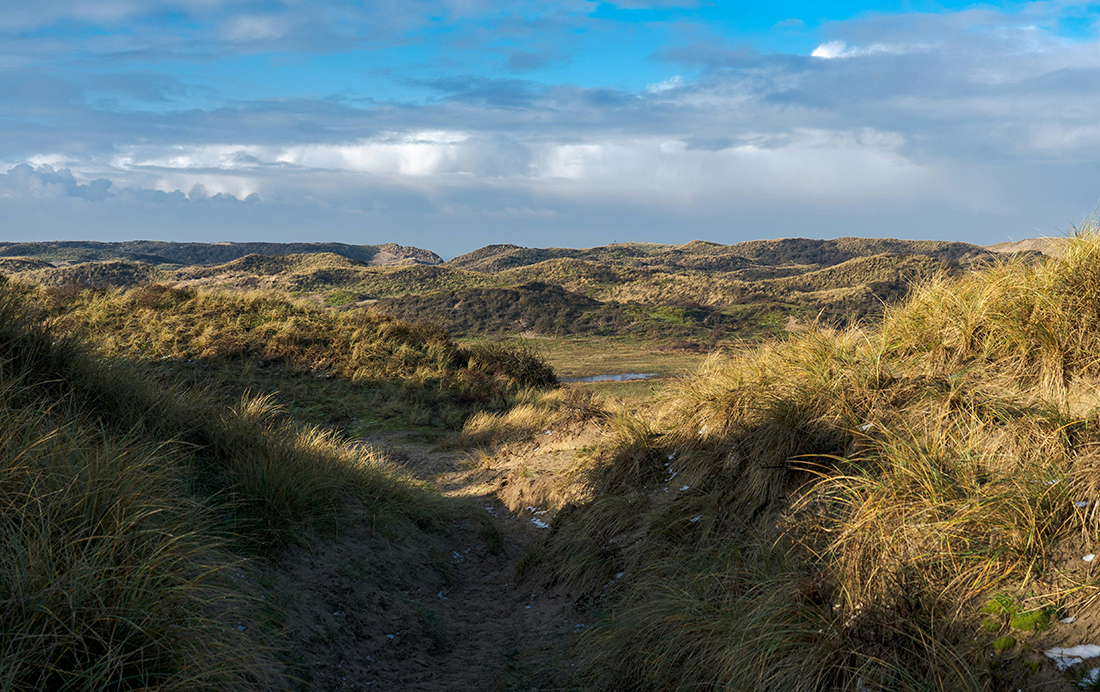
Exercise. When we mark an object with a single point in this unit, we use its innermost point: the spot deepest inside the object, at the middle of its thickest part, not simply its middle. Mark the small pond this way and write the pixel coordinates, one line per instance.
(611, 378)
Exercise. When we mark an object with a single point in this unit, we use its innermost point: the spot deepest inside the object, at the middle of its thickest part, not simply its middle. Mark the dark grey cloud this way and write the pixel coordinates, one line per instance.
(525, 61)
(483, 91)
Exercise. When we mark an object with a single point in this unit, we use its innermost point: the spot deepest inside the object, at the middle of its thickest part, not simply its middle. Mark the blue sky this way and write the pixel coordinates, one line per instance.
(452, 124)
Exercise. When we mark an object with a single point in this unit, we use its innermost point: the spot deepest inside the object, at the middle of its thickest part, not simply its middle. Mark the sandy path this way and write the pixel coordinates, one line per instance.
(467, 623)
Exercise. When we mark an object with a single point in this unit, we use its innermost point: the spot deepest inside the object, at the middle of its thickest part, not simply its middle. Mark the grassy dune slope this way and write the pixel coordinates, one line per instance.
(351, 370)
(14, 265)
(699, 255)
(320, 273)
(125, 502)
(902, 509)
(106, 273)
(157, 252)
(577, 297)
(829, 252)
(746, 290)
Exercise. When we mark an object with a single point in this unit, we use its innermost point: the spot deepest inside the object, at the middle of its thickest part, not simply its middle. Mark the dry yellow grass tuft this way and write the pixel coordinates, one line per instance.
(836, 510)
(125, 501)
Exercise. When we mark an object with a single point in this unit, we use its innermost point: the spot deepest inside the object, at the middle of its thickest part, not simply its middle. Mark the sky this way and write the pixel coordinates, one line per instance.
(454, 124)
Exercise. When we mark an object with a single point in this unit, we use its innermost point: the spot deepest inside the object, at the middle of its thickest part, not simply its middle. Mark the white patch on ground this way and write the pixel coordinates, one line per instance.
(539, 523)
(1089, 679)
(1065, 658)
(1089, 558)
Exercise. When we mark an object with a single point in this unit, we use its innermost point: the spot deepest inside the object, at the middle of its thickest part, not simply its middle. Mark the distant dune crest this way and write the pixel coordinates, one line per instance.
(707, 256)
(1046, 245)
(698, 290)
(159, 252)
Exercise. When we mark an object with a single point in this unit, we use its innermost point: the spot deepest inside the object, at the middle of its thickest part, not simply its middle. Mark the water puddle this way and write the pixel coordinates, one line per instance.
(611, 378)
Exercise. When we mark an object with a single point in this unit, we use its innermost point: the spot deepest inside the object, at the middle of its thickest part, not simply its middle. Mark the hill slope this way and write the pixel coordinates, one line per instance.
(158, 252)
(906, 507)
(695, 290)
(704, 256)
(139, 515)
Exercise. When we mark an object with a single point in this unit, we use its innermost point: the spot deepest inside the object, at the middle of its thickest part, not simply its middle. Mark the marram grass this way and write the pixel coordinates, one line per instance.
(124, 501)
(833, 511)
(108, 581)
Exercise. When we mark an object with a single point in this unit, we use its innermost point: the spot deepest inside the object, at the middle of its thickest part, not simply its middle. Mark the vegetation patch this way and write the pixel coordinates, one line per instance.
(341, 297)
(819, 507)
(848, 508)
(133, 507)
(258, 342)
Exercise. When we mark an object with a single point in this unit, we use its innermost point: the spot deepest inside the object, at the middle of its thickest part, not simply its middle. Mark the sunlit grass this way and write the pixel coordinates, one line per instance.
(834, 510)
(125, 500)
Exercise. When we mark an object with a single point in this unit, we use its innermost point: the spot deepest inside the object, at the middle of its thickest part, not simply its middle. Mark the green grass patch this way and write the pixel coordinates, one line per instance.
(340, 297)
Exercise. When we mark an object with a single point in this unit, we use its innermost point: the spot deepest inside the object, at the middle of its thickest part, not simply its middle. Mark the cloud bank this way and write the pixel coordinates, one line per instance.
(456, 124)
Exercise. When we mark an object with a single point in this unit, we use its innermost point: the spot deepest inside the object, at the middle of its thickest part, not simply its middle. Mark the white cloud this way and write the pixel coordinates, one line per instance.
(44, 182)
(255, 28)
(831, 168)
(832, 50)
(807, 166)
(669, 84)
(981, 119)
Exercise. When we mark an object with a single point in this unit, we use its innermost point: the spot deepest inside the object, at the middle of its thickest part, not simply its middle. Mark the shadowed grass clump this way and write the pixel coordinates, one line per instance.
(834, 510)
(123, 502)
(517, 363)
(107, 580)
(110, 574)
(278, 482)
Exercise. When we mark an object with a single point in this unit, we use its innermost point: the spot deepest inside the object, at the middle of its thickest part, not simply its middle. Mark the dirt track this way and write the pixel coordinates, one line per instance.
(469, 623)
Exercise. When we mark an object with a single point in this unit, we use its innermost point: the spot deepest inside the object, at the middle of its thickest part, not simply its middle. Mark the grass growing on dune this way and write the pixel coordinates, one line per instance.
(531, 413)
(354, 371)
(834, 511)
(1036, 321)
(125, 501)
(108, 578)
